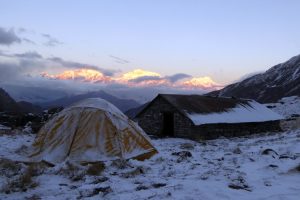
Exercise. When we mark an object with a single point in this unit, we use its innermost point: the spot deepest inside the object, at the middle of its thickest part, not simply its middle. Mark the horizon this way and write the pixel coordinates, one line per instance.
(197, 45)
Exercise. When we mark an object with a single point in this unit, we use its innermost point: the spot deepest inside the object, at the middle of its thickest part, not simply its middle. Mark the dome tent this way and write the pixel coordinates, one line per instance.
(89, 131)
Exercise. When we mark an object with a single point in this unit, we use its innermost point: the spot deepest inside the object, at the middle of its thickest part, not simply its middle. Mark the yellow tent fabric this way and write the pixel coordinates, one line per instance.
(89, 131)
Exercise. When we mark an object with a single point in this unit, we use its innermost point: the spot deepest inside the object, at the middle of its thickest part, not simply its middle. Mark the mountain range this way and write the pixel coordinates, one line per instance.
(282, 80)
(122, 104)
(279, 81)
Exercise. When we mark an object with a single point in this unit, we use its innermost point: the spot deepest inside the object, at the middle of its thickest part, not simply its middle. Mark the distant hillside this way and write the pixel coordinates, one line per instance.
(33, 94)
(7, 103)
(122, 104)
(28, 107)
(280, 81)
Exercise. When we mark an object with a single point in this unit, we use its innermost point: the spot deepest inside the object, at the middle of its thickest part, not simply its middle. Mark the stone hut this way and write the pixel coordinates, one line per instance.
(205, 117)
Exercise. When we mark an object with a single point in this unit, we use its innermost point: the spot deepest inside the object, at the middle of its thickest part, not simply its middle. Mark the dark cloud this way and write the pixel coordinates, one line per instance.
(29, 55)
(51, 41)
(177, 77)
(18, 66)
(8, 37)
(172, 79)
(26, 55)
(146, 78)
(28, 41)
(77, 65)
(9, 71)
(119, 60)
(21, 30)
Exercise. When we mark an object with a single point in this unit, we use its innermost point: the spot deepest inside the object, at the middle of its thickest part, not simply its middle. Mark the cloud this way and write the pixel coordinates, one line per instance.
(176, 77)
(8, 37)
(146, 78)
(9, 71)
(51, 41)
(28, 41)
(119, 60)
(17, 66)
(77, 65)
(28, 55)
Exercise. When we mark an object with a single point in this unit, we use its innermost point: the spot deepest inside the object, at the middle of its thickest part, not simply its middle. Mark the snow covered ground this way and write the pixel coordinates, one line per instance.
(287, 106)
(257, 167)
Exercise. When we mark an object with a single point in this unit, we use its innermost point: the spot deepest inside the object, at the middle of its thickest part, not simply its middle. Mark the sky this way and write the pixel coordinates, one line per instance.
(211, 41)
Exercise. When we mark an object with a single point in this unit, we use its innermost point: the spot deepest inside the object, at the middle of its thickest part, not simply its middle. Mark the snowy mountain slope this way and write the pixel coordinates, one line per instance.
(257, 167)
(287, 106)
(280, 81)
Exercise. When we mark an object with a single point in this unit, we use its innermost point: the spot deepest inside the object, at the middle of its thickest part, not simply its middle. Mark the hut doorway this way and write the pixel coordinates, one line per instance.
(168, 124)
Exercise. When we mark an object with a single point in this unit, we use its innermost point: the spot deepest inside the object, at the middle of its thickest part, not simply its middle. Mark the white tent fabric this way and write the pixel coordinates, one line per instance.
(89, 131)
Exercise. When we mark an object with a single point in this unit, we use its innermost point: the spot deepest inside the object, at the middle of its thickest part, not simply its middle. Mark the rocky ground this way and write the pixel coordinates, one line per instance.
(257, 167)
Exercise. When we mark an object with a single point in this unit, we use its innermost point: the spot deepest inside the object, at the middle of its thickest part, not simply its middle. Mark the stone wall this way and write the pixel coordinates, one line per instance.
(213, 131)
(151, 120)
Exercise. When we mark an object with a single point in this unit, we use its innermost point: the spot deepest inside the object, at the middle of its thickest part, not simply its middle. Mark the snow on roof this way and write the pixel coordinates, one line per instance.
(99, 104)
(252, 112)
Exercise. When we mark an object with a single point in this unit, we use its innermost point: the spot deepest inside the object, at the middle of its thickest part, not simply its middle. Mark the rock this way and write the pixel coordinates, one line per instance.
(96, 191)
(133, 173)
(297, 168)
(269, 152)
(188, 146)
(239, 187)
(204, 177)
(183, 155)
(158, 185)
(273, 166)
(103, 190)
(141, 187)
(100, 180)
(77, 177)
(73, 187)
(237, 151)
(33, 197)
(120, 164)
(267, 183)
(239, 183)
(285, 156)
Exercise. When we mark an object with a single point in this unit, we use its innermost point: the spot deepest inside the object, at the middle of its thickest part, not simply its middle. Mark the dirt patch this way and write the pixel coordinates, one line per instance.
(95, 169)
(22, 182)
